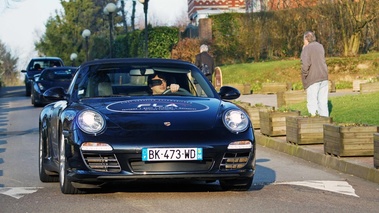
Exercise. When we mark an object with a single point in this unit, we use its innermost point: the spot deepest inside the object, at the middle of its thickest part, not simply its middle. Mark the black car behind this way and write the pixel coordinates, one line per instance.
(35, 66)
(48, 78)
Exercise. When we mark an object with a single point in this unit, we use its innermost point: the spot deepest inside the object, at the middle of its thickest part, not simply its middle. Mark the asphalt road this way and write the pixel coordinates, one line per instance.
(282, 183)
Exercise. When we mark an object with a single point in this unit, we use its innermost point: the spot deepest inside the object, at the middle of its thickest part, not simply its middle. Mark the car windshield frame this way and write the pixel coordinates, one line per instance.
(44, 63)
(125, 84)
(57, 75)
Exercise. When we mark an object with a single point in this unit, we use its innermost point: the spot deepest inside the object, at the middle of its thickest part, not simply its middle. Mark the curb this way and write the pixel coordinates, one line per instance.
(340, 164)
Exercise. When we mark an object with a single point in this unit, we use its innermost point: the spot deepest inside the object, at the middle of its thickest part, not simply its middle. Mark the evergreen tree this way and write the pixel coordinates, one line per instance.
(63, 34)
(8, 73)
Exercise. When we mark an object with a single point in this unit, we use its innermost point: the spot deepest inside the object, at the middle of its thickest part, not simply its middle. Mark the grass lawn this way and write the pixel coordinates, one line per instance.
(356, 109)
(342, 70)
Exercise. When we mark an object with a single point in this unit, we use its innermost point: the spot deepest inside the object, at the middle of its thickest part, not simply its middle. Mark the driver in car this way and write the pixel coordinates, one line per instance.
(158, 84)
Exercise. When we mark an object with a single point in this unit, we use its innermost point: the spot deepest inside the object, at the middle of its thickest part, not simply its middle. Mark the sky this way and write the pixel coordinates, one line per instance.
(23, 22)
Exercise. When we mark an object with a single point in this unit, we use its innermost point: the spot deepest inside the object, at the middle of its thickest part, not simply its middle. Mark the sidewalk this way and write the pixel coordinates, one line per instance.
(362, 167)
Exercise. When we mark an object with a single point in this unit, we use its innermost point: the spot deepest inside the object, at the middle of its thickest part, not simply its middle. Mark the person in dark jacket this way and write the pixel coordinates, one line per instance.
(204, 58)
(314, 75)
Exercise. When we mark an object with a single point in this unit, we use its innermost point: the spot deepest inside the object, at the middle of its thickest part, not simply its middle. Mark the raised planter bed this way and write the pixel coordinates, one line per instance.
(376, 150)
(332, 86)
(349, 139)
(369, 87)
(357, 85)
(290, 97)
(273, 123)
(245, 89)
(306, 130)
(253, 111)
(273, 88)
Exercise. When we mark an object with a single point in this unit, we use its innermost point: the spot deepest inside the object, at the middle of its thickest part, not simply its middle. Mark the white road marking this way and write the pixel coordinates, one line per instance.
(341, 187)
(18, 192)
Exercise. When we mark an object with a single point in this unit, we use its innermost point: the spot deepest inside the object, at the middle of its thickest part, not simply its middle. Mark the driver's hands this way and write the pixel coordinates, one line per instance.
(174, 87)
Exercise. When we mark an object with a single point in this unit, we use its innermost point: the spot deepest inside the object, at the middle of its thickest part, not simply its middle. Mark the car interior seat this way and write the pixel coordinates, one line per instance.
(104, 86)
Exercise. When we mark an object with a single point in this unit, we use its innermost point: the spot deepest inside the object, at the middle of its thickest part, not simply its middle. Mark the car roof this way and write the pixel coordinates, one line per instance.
(46, 58)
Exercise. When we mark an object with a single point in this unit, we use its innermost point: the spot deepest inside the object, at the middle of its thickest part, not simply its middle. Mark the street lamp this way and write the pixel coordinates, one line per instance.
(133, 14)
(145, 5)
(108, 10)
(85, 34)
(73, 57)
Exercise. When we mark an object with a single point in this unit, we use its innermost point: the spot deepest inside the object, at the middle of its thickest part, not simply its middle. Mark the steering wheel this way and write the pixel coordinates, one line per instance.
(180, 91)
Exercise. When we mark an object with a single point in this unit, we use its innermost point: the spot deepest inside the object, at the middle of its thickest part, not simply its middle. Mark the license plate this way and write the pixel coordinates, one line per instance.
(171, 154)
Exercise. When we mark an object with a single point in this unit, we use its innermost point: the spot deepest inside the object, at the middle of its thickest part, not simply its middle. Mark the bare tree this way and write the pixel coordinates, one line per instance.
(353, 17)
(7, 4)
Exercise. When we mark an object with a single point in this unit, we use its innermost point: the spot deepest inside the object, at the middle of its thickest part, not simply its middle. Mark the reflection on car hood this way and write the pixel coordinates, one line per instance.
(32, 73)
(160, 113)
(49, 84)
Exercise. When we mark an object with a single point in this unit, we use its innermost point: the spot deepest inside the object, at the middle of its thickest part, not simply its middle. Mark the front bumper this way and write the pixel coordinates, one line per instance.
(100, 168)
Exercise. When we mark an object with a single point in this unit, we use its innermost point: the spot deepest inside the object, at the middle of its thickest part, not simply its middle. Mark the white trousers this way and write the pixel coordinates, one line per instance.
(317, 98)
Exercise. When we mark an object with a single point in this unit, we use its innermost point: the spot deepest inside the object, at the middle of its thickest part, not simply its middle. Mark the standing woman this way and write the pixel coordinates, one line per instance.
(314, 75)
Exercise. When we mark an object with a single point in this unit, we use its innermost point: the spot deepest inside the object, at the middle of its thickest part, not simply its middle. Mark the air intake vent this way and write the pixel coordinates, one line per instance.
(232, 161)
(102, 162)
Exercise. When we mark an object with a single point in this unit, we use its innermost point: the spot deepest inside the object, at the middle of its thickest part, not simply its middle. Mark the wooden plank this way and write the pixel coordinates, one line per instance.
(369, 87)
(273, 88)
(273, 123)
(376, 150)
(357, 84)
(349, 140)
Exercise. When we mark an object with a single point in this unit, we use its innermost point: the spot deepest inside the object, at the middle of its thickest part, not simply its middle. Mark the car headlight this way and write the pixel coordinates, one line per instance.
(91, 122)
(236, 120)
(40, 86)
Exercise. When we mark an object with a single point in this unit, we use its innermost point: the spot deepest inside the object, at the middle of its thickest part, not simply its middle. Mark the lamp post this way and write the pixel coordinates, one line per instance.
(86, 34)
(133, 14)
(73, 57)
(145, 5)
(108, 10)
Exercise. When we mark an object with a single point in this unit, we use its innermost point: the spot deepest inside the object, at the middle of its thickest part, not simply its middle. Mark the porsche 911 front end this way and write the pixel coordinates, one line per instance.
(112, 128)
(209, 145)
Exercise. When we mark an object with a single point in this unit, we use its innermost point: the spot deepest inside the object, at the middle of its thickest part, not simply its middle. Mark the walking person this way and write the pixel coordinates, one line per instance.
(314, 75)
(205, 62)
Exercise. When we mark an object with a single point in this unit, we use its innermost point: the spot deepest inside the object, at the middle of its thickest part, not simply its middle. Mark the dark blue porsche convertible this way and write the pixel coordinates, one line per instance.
(131, 119)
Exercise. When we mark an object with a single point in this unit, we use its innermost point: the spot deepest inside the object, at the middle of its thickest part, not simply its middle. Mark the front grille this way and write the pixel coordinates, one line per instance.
(102, 162)
(232, 161)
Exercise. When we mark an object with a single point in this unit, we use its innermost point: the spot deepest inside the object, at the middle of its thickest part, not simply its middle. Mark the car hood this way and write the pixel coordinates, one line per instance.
(161, 113)
(32, 73)
(49, 84)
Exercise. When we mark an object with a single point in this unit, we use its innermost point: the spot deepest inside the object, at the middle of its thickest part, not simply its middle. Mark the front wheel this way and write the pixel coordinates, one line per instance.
(44, 176)
(241, 184)
(65, 184)
(27, 91)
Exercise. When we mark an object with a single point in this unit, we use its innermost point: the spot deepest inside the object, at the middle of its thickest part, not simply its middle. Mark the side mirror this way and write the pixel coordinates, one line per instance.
(55, 94)
(229, 93)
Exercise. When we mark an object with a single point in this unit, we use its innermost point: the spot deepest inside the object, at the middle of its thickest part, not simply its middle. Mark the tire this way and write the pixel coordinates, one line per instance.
(27, 91)
(43, 175)
(33, 100)
(242, 184)
(65, 184)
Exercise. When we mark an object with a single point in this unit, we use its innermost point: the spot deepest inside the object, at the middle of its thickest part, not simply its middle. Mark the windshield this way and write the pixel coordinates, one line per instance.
(40, 64)
(128, 80)
(57, 75)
